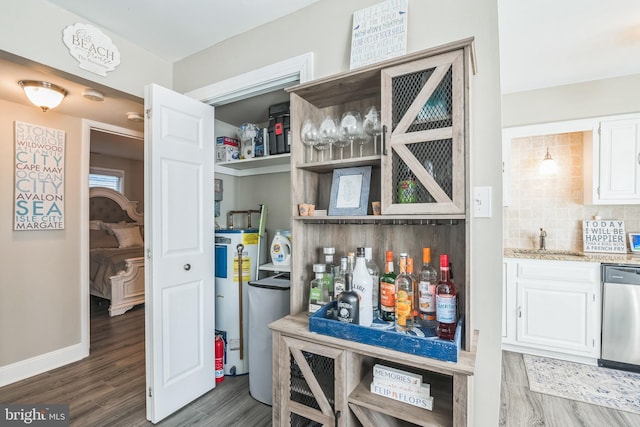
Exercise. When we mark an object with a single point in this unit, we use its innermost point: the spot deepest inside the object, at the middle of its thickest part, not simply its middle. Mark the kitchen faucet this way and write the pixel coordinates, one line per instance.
(543, 244)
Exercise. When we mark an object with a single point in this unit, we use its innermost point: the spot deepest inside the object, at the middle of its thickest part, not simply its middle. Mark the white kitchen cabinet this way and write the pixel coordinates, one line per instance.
(553, 308)
(612, 167)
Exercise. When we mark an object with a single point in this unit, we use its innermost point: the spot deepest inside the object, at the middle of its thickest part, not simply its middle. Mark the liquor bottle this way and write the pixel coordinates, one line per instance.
(319, 289)
(374, 271)
(427, 291)
(414, 279)
(404, 297)
(446, 313)
(339, 282)
(351, 261)
(363, 285)
(348, 303)
(388, 290)
(331, 269)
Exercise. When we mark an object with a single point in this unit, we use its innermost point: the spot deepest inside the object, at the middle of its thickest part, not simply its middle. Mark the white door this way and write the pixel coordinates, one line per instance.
(556, 315)
(179, 224)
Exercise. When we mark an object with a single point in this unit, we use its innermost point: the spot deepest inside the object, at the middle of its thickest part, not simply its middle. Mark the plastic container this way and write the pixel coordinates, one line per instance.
(280, 249)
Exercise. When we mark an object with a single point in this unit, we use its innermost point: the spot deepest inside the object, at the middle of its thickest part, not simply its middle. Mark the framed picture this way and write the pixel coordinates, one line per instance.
(634, 242)
(350, 191)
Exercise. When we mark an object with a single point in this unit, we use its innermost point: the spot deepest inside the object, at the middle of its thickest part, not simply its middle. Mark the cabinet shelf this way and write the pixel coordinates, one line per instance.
(256, 166)
(441, 415)
(444, 219)
(277, 268)
(330, 165)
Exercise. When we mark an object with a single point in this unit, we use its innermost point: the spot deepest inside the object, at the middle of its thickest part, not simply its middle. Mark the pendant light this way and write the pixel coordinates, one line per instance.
(548, 165)
(44, 95)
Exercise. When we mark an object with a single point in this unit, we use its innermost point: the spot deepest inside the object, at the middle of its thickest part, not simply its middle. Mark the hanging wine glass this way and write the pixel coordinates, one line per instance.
(310, 137)
(328, 135)
(373, 126)
(351, 128)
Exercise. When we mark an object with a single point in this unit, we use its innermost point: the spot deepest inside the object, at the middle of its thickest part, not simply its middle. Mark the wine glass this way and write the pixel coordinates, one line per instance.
(373, 126)
(310, 137)
(351, 128)
(328, 135)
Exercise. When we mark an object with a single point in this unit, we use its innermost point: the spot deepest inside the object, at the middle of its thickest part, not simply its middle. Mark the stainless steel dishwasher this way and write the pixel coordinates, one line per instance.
(620, 317)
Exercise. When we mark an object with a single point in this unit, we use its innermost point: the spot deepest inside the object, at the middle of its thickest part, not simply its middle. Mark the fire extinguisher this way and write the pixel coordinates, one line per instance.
(219, 355)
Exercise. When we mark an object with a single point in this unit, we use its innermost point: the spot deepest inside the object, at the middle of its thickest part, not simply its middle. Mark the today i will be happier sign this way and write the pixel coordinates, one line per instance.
(39, 178)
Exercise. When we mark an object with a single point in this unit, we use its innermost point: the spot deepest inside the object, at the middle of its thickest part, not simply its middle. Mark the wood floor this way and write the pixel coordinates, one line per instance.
(107, 389)
(521, 407)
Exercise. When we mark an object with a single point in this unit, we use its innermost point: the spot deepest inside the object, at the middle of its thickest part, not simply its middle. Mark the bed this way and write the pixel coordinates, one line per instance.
(116, 249)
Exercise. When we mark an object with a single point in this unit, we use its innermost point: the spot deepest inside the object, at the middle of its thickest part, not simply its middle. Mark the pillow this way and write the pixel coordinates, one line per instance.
(110, 226)
(128, 237)
(102, 239)
(95, 224)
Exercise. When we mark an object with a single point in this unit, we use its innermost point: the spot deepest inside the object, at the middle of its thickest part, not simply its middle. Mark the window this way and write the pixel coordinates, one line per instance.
(110, 178)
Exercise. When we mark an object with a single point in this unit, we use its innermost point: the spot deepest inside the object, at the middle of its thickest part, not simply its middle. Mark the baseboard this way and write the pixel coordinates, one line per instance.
(587, 360)
(42, 363)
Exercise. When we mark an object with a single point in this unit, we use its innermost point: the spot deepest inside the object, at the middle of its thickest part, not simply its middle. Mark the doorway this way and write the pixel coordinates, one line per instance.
(112, 147)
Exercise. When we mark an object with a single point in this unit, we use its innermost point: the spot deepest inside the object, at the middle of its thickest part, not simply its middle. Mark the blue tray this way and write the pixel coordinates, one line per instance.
(414, 343)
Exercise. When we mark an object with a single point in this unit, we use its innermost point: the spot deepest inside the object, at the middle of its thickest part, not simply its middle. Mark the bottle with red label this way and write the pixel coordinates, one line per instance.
(446, 306)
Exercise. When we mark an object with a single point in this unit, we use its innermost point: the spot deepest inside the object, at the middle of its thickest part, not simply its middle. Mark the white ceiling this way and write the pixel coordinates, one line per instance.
(543, 43)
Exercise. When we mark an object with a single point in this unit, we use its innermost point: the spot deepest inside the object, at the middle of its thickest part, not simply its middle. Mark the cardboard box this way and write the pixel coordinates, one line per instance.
(227, 153)
(227, 140)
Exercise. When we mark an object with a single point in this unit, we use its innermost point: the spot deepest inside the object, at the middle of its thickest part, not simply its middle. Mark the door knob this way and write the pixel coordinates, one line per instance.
(187, 267)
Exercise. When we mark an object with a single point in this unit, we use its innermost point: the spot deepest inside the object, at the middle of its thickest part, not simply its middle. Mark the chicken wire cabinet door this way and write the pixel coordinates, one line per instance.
(313, 384)
(423, 163)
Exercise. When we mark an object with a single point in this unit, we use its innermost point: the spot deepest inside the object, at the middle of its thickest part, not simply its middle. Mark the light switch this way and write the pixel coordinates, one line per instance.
(482, 202)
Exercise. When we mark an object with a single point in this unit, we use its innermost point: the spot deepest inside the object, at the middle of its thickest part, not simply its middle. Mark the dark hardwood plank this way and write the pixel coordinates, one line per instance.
(107, 388)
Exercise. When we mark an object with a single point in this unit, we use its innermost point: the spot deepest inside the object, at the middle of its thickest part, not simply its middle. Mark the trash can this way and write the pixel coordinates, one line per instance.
(268, 301)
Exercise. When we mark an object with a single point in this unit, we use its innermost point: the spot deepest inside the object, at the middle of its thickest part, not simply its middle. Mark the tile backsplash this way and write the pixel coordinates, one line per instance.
(553, 202)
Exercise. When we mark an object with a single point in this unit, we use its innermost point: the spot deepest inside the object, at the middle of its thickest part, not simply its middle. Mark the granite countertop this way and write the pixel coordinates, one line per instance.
(564, 255)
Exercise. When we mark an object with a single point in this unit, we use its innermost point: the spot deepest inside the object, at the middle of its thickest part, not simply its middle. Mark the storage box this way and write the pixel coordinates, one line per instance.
(227, 149)
(227, 153)
(227, 140)
(428, 346)
(279, 129)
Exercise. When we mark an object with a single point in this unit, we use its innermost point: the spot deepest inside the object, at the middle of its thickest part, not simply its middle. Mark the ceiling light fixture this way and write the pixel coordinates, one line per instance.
(135, 117)
(93, 95)
(44, 95)
(548, 165)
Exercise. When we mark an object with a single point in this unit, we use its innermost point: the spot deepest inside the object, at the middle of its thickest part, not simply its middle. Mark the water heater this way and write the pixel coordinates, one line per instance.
(232, 310)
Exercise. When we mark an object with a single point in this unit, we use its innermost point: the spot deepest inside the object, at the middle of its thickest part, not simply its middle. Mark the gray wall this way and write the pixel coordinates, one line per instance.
(133, 174)
(324, 28)
(40, 272)
(576, 101)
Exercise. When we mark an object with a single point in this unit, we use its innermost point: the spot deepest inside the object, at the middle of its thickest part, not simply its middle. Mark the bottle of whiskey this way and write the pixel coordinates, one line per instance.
(348, 304)
(374, 271)
(339, 285)
(404, 297)
(388, 290)
(363, 285)
(319, 290)
(427, 291)
(446, 307)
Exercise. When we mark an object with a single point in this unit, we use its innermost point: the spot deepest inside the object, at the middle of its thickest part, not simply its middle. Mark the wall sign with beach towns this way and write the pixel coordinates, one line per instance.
(39, 178)
(604, 236)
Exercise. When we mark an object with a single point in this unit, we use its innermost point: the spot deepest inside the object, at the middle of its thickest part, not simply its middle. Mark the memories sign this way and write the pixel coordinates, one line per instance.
(39, 178)
(604, 236)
